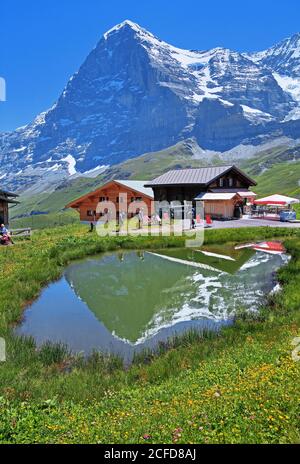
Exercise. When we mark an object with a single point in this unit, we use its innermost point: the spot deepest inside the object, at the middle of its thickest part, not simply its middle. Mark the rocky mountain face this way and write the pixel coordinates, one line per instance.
(136, 94)
(283, 58)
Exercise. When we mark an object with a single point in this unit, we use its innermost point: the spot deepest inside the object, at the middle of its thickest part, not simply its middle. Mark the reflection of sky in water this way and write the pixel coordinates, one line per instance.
(124, 302)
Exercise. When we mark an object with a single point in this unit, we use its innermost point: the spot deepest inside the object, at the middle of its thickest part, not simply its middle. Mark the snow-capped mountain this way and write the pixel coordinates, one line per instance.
(283, 58)
(135, 94)
(284, 61)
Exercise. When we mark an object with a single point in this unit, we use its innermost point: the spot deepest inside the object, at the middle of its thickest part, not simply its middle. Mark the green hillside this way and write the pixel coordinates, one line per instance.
(151, 165)
(53, 204)
(275, 170)
(265, 159)
(283, 178)
(146, 167)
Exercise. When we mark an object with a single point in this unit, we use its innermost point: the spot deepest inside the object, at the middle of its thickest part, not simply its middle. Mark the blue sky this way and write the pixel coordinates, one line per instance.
(44, 43)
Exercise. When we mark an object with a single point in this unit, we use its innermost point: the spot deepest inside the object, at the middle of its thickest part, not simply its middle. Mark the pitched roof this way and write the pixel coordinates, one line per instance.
(244, 193)
(8, 194)
(216, 196)
(203, 176)
(137, 185)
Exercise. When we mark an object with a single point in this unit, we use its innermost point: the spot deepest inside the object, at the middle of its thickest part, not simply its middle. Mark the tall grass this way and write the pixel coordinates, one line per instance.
(30, 266)
(52, 372)
(53, 353)
(235, 386)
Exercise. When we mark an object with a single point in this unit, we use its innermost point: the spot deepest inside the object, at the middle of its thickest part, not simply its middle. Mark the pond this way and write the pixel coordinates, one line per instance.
(126, 302)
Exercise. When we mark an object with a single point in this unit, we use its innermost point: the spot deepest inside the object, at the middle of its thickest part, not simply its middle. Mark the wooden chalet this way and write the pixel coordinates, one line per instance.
(118, 192)
(6, 199)
(225, 190)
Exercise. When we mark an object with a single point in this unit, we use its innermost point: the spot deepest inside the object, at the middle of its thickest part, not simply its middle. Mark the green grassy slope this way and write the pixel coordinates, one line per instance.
(283, 178)
(154, 164)
(274, 170)
(43, 221)
(144, 167)
(53, 204)
(241, 386)
(265, 159)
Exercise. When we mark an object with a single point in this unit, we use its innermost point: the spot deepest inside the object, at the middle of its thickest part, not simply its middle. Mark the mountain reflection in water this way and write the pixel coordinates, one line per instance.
(125, 302)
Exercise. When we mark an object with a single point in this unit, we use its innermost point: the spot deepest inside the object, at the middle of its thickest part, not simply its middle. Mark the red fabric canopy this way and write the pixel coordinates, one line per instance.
(277, 200)
(279, 203)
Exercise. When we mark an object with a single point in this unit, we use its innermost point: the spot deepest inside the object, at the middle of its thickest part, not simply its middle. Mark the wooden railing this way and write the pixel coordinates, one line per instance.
(15, 233)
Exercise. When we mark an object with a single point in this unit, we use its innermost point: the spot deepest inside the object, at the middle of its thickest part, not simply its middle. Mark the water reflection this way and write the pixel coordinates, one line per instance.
(127, 301)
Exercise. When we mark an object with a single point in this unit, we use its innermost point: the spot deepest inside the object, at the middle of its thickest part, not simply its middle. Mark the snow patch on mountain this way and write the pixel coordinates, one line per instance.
(92, 173)
(290, 85)
(137, 94)
(256, 116)
(71, 164)
(127, 22)
(283, 57)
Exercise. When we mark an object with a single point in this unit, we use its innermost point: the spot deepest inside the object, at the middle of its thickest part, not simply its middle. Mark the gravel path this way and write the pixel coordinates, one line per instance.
(252, 223)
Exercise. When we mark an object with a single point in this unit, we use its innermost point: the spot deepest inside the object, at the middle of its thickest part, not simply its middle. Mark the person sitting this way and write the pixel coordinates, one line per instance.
(5, 240)
(5, 237)
(3, 230)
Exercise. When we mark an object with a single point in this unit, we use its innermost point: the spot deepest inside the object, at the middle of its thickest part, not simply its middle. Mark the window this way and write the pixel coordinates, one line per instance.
(221, 182)
(103, 199)
(230, 182)
(90, 213)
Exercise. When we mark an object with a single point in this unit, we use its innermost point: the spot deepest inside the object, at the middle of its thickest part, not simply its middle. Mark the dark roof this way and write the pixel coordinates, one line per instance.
(7, 200)
(203, 176)
(8, 194)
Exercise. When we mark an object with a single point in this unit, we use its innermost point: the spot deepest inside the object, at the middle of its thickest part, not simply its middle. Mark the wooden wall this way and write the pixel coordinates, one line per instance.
(217, 209)
(177, 193)
(224, 182)
(3, 212)
(190, 192)
(112, 194)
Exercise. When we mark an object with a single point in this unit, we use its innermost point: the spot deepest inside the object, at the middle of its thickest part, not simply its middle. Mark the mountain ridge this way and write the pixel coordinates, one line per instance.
(45, 209)
(135, 94)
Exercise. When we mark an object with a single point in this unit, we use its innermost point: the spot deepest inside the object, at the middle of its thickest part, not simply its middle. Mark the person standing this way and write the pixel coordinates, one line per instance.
(122, 215)
(141, 218)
